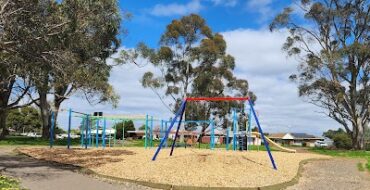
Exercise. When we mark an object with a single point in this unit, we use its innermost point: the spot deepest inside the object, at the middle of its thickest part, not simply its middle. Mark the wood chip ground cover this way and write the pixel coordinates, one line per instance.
(187, 167)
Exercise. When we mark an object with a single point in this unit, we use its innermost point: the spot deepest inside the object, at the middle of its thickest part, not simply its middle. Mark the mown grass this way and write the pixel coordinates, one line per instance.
(7, 183)
(32, 141)
(141, 143)
(346, 153)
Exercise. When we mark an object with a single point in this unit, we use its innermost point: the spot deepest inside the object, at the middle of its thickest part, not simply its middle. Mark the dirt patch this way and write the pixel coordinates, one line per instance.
(80, 157)
(187, 167)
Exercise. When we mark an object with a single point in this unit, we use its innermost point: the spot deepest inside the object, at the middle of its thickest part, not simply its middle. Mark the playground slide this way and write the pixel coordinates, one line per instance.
(271, 142)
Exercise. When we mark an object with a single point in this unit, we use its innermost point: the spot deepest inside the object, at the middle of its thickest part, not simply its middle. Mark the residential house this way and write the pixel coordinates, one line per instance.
(295, 139)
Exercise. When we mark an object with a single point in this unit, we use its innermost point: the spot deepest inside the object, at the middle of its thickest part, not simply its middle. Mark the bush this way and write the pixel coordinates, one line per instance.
(342, 140)
(8, 183)
(127, 126)
(304, 144)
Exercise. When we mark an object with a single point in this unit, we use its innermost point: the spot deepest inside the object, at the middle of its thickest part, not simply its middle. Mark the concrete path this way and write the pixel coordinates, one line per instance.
(40, 175)
(333, 174)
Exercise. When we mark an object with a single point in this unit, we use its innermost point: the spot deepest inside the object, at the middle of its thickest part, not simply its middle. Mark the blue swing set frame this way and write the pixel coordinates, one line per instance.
(180, 114)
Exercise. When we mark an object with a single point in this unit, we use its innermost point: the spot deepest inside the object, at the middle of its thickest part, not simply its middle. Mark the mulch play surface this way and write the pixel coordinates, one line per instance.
(187, 167)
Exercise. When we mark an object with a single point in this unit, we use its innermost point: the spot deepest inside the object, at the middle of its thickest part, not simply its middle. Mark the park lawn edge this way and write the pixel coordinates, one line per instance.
(346, 154)
(87, 171)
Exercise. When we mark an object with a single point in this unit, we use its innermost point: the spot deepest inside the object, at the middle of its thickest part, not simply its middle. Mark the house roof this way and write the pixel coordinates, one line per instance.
(292, 136)
(277, 135)
(302, 136)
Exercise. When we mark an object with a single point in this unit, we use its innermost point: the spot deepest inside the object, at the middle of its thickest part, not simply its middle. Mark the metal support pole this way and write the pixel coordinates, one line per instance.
(90, 136)
(82, 132)
(97, 134)
(178, 126)
(234, 130)
(249, 134)
(69, 128)
(52, 129)
(212, 136)
(146, 132)
(161, 131)
(123, 133)
(86, 130)
(151, 131)
(263, 136)
(227, 138)
(103, 135)
(182, 108)
(166, 128)
(115, 133)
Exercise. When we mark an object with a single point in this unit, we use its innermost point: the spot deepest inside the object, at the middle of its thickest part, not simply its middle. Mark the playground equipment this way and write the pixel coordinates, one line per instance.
(180, 113)
(240, 138)
(86, 136)
(276, 145)
(164, 128)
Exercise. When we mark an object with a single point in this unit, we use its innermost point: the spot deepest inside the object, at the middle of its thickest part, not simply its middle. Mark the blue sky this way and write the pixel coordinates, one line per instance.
(150, 17)
(257, 51)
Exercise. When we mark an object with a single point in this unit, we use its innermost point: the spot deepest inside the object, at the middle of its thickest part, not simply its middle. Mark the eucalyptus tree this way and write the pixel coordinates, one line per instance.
(56, 48)
(88, 38)
(333, 44)
(191, 61)
(23, 38)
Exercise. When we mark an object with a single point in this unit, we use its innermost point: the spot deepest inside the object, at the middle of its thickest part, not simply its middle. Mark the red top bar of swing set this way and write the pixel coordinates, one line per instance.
(216, 98)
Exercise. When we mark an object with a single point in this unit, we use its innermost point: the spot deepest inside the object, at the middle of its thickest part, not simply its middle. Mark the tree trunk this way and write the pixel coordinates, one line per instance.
(5, 91)
(45, 114)
(3, 129)
(358, 135)
(56, 112)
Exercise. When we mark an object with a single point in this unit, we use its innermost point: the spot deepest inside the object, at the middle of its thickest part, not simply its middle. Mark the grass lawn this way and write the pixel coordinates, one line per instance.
(141, 142)
(32, 141)
(347, 153)
(8, 183)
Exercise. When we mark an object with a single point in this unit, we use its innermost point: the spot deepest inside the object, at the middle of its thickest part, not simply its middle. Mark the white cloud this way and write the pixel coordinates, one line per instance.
(226, 3)
(172, 9)
(259, 59)
(263, 7)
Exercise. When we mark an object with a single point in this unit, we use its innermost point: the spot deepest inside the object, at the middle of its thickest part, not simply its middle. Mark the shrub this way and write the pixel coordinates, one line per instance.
(8, 183)
(342, 140)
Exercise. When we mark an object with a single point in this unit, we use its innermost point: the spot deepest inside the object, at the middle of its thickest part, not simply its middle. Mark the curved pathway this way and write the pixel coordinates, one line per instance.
(333, 174)
(41, 175)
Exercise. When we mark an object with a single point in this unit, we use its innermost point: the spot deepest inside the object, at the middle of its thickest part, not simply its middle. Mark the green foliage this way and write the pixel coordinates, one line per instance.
(70, 41)
(129, 126)
(59, 130)
(342, 140)
(32, 141)
(192, 61)
(9, 183)
(75, 131)
(119, 127)
(333, 46)
(126, 125)
(340, 137)
(26, 119)
(142, 127)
